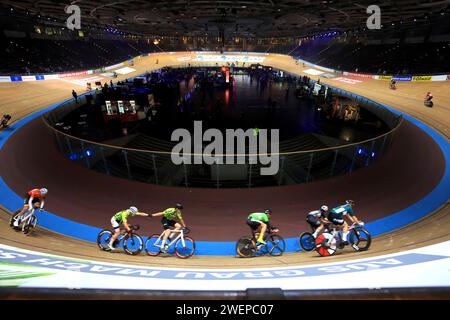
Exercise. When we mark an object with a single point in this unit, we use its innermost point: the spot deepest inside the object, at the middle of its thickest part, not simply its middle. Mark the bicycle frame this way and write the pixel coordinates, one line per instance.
(181, 235)
(26, 217)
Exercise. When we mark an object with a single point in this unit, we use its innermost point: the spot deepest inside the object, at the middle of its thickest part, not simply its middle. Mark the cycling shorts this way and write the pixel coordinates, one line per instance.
(253, 224)
(114, 223)
(313, 221)
(167, 223)
(27, 199)
(336, 221)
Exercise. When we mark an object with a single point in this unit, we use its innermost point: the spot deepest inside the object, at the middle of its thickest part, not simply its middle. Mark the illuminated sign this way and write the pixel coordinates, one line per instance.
(223, 58)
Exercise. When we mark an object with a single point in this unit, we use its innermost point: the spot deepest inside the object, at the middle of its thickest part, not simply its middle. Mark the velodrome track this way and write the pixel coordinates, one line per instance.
(21, 99)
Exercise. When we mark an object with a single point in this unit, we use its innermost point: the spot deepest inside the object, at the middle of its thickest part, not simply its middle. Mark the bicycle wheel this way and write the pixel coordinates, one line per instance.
(34, 220)
(133, 244)
(326, 244)
(307, 241)
(27, 228)
(245, 247)
(188, 249)
(360, 239)
(103, 238)
(13, 219)
(150, 246)
(275, 245)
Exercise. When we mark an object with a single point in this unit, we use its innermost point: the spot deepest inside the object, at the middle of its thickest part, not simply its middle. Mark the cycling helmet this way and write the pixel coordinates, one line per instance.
(133, 210)
(350, 202)
(43, 191)
(179, 206)
(268, 211)
(324, 208)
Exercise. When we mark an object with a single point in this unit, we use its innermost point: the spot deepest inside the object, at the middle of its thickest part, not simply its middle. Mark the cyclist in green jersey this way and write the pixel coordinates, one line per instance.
(259, 222)
(121, 218)
(168, 221)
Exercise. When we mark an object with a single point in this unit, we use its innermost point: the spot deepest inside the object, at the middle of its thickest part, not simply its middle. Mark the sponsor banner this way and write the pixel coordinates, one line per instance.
(25, 268)
(439, 78)
(384, 77)
(186, 58)
(108, 74)
(348, 80)
(51, 77)
(422, 78)
(328, 76)
(125, 70)
(28, 78)
(368, 76)
(16, 78)
(5, 79)
(40, 77)
(114, 66)
(73, 74)
(402, 78)
(314, 72)
(228, 58)
(83, 81)
(90, 72)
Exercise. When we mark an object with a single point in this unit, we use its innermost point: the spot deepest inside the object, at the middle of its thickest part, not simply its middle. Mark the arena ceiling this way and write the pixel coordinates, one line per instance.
(260, 18)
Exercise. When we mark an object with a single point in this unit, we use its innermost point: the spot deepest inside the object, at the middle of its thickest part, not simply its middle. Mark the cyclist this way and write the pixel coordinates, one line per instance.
(337, 215)
(317, 219)
(121, 218)
(392, 84)
(259, 222)
(33, 198)
(168, 221)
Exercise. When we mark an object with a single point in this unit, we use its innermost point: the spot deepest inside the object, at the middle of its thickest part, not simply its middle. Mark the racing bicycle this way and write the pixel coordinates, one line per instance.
(27, 222)
(184, 246)
(131, 242)
(247, 246)
(327, 243)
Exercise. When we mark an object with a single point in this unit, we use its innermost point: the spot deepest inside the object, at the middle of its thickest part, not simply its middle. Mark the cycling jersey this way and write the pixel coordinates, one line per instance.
(259, 216)
(35, 193)
(172, 213)
(339, 212)
(33, 196)
(316, 214)
(122, 216)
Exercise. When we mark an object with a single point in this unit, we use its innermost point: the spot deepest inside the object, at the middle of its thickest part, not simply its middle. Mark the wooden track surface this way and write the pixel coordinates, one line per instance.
(20, 99)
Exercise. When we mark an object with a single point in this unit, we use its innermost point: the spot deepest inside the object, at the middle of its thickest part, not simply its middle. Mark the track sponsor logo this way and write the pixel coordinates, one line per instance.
(227, 58)
(385, 77)
(72, 74)
(402, 78)
(348, 80)
(360, 75)
(422, 78)
(83, 81)
(9, 255)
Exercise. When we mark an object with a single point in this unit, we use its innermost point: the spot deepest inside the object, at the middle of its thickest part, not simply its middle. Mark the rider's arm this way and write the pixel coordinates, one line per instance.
(182, 222)
(126, 226)
(42, 204)
(142, 214)
(30, 202)
(158, 214)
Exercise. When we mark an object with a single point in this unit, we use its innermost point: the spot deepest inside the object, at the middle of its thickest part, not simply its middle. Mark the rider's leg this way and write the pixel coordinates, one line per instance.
(262, 233)
(165, 236)
(345, 231)
(319, 229)
(24, 209)
(116, 228)
(114, 237)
